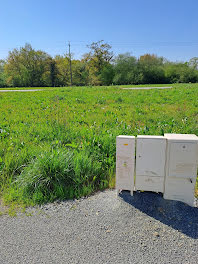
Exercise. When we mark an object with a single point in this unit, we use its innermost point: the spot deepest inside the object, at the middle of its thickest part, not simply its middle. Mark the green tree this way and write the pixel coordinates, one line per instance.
(98, 62)
(107, 74)
(80, 73)
(180, 73)
(2, 74)
(53, 72)
(63, 70)
(126, 70)
(194, 63)
(27, 67)
(152, 69)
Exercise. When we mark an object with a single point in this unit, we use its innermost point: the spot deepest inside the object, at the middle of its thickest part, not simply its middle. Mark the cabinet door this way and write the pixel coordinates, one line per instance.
(182, 160)
(180, 189)
(125, 177)
(150, 157)
(125, 163)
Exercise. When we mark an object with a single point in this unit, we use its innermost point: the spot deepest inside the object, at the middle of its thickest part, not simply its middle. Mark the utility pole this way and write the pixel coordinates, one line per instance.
(70, 65)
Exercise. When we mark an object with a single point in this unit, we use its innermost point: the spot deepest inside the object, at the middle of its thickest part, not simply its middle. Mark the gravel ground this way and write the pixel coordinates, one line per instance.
(103, 228)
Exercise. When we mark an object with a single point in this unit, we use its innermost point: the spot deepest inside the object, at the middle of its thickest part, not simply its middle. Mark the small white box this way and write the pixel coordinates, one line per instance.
(181, 167)
(150, 163)
(125, 163)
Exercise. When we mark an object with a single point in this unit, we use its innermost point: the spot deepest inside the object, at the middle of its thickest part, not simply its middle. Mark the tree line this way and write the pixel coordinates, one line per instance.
(27, 67)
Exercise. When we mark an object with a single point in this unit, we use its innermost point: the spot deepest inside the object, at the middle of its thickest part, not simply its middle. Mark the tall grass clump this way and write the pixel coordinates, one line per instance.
(58, 174)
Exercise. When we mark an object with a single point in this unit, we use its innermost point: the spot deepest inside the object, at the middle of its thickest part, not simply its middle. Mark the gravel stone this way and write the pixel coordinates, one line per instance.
(103, 228)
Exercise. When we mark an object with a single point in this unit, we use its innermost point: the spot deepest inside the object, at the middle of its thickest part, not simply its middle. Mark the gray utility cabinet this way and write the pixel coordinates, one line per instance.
(181, 167)
(150, 163)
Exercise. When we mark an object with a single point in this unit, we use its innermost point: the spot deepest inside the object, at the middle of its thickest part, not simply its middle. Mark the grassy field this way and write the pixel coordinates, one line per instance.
(60, 142)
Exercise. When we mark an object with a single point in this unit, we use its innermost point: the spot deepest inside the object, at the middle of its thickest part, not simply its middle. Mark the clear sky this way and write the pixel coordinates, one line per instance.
(167, 28)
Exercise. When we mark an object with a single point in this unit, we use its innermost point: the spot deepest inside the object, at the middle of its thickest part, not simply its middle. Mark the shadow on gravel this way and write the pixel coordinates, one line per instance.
(172, 213)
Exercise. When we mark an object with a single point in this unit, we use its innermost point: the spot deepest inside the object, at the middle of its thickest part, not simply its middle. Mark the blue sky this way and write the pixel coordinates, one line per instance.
(167, 28)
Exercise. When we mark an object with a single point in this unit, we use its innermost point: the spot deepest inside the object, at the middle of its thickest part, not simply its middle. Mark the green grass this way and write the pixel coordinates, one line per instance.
(60, 143)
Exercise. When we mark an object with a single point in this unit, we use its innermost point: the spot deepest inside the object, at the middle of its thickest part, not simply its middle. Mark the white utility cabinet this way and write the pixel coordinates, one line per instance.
(125, 163)
(181, 167)
(150, 163)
